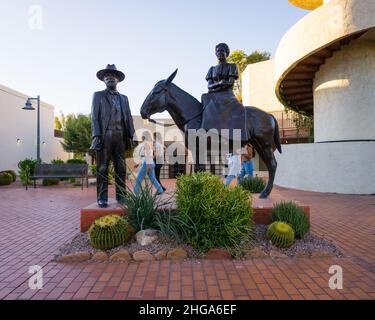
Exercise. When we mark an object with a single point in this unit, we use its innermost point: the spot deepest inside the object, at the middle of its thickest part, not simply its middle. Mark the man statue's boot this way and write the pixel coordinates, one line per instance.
(102, 193)
(102, 204)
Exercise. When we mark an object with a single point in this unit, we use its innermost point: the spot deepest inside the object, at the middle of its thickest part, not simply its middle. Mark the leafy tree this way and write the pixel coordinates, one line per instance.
(257, 56)
(58, 125)
(242, 60)
(60, 122)
(63, 120)
(302, 122)
(77, 134)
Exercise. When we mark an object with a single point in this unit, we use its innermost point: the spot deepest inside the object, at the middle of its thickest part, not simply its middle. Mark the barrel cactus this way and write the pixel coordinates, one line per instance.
(281, 234)
(109, 232)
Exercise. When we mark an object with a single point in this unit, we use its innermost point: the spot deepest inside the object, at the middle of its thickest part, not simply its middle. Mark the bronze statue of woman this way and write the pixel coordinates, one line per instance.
(221, 108)
(222, 76)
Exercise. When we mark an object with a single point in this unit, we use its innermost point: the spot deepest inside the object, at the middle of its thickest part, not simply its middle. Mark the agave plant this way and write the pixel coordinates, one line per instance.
(141, 207)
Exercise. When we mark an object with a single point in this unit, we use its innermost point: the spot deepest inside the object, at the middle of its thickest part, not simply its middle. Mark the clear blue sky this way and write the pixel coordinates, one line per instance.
(147, 39)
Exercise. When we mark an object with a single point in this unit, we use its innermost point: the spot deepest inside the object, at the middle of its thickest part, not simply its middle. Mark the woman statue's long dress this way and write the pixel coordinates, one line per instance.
(221, 108)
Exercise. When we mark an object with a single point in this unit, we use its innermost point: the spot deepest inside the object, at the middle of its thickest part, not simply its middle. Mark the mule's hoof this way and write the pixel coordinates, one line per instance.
(263, 196)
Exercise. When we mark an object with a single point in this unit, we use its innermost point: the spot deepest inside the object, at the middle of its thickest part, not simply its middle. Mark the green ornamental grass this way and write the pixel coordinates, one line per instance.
(145, 210)
(141, 208)
(290, 213)
(171, 224)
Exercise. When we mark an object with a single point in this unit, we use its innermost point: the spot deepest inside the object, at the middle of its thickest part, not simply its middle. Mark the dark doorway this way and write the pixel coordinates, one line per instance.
(176, 169)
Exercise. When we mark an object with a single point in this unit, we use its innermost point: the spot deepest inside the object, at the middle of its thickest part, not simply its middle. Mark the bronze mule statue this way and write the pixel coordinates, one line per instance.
(186, 111)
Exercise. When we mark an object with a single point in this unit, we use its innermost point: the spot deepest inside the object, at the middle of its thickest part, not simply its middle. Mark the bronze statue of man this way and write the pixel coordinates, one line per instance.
(112, 133)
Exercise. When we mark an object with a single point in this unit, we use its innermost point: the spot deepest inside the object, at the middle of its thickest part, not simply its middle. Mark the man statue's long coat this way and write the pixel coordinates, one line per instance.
(101, 114)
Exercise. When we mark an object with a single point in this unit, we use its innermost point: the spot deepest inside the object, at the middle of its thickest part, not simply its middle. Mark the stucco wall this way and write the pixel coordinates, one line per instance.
(258, 86)
(344, 100)
(343, 167)
(16, 123)
(332, 21)
(258, 90)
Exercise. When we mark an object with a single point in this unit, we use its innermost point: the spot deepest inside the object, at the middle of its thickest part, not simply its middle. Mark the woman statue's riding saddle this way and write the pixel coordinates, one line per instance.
(223, 112)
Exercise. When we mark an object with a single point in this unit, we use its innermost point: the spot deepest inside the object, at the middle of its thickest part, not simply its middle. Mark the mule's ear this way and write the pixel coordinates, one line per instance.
(171, 77)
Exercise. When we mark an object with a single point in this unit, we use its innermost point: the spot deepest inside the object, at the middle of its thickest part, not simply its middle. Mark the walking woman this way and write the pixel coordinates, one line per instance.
(247, 168)
(147, 166)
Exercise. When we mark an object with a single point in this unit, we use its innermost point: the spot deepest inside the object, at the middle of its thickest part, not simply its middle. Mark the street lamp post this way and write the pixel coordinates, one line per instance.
(29, 106)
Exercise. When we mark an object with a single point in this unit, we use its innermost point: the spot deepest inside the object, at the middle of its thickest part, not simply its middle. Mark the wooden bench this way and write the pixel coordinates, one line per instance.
(60, 171)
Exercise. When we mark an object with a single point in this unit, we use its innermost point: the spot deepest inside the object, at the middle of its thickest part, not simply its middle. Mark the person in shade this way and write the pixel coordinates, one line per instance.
(147, 165)
(247, 168)
(159, 151)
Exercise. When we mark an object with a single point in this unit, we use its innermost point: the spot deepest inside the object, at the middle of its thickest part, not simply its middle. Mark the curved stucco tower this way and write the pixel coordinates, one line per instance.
(325, 67)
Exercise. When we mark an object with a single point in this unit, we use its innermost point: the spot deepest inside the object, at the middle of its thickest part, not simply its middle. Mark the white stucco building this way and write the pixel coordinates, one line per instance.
(258, 88)
(324, 67)
(18, 131)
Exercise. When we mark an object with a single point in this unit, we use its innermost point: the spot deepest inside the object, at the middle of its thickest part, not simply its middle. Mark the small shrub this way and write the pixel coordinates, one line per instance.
(254, 185)
(50, 182)
(281, 234)
(93, 169)
(76, 161)
(5, 179)
(57, 161)
(109, 232)
(26, 167)
(222, 216)
(290, 213)
(12, 173)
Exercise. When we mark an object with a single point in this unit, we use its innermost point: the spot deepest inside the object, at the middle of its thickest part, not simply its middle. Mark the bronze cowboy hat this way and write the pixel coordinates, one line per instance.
(111, 68)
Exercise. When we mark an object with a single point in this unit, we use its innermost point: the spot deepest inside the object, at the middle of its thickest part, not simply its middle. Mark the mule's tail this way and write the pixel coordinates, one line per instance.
(276, 135)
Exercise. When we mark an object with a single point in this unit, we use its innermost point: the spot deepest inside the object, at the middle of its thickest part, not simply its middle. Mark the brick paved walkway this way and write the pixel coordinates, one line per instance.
(35, 223)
